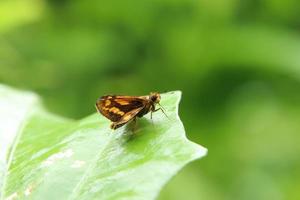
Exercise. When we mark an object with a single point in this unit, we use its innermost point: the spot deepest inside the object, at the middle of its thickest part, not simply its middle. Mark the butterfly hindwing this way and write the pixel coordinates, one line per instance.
(127, 117)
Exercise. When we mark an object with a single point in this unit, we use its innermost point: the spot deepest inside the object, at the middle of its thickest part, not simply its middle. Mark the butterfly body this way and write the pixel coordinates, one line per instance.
(122, 109)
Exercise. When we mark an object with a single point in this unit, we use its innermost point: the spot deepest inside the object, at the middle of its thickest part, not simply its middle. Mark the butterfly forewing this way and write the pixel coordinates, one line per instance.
(120, 108)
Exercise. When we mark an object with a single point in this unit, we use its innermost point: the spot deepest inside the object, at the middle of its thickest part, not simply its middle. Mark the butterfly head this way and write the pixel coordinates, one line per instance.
(154, 97)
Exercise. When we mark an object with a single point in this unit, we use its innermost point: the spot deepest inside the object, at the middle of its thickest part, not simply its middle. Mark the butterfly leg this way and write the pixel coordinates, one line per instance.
(134, 124)
(161, 110)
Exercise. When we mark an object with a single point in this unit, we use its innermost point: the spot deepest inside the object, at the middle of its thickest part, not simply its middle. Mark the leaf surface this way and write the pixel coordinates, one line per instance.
(44, 156)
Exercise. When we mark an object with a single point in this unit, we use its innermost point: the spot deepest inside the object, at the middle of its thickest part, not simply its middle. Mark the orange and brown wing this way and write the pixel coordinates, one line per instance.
(127, 117)
(116, 107)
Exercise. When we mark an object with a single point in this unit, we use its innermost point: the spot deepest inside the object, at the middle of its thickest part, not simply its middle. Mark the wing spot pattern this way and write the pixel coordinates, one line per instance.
(127, 117)
(116, 111)
(107, 102)
(122, 102)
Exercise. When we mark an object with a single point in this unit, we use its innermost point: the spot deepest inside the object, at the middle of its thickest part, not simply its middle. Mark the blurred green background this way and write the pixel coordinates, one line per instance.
(236, 61)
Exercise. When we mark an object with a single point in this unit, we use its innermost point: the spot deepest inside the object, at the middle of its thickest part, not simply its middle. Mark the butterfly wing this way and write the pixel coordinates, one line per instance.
(127, 117)
(119, 108)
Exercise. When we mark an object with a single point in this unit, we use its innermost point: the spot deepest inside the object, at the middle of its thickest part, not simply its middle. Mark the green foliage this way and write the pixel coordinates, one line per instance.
(50, 157)
(236, 62)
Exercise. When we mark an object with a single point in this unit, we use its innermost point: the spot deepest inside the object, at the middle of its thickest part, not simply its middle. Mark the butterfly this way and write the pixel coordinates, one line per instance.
(122, 109)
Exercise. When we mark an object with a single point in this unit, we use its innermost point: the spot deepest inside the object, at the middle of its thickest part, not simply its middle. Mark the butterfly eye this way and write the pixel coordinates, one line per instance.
(158, 98)
(155, 97)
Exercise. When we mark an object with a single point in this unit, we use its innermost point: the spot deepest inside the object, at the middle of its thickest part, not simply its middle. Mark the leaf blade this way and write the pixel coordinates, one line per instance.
(87, 160)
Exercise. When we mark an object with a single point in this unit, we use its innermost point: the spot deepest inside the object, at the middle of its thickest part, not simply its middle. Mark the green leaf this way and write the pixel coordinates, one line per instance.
(44, 156)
